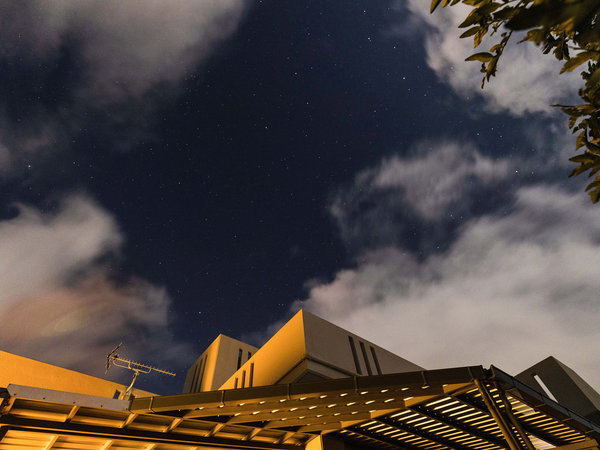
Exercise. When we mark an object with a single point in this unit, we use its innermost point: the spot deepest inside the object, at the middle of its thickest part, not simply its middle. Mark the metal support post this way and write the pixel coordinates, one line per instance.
(509, 437)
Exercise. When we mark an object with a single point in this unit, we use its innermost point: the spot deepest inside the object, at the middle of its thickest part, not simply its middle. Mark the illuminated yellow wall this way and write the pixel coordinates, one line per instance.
(216, 364)
(19, 370)
(309, 348)
(274, 359)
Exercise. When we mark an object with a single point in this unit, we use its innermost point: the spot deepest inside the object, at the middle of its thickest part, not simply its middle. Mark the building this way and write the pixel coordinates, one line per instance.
(312, 386)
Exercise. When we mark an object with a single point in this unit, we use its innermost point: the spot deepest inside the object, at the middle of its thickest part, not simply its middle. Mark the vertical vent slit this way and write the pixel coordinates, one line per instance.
(243, 378)
(375, 360)
(251, 378)
(354, 355)
(201, 375)
(193, 381)
(239, 362)
(366, 357)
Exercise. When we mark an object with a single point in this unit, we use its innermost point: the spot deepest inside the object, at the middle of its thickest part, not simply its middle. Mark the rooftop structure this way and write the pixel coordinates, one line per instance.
(307, 348)
(310, 388)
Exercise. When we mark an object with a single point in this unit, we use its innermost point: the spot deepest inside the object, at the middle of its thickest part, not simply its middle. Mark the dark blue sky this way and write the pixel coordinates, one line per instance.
(244, 157)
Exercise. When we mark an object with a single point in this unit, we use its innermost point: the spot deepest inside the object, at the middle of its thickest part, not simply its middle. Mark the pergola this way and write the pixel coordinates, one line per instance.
(457, 408)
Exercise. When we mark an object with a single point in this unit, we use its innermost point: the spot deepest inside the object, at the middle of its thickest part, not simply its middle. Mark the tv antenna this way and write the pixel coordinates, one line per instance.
(136, 367)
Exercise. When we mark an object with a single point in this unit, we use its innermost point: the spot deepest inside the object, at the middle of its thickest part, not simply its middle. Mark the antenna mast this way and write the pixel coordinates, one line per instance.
(137, 368)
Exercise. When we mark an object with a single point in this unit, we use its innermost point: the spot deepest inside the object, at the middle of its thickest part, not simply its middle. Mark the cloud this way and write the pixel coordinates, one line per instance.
(439, 176)
(125, 47)
(510, 290)
(59, 301)
(527, 80)
(97, 71)
(419, 196)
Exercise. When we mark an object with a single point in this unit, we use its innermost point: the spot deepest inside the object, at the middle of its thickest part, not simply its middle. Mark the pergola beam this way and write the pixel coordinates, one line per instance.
(479, 406)
(109, 433)
(361, 431)
(452, 423)
(400, 426)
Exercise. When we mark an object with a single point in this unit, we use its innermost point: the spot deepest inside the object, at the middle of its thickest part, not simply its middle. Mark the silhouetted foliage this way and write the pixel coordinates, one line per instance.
(570, 29)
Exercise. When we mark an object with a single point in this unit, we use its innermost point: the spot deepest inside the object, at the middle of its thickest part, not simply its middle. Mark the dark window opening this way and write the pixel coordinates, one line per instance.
(354, 355)
(239, 364)
(364, 352)
(201, 375)
(251, 378)
(375, 360)
(243, 378)
(194, 378)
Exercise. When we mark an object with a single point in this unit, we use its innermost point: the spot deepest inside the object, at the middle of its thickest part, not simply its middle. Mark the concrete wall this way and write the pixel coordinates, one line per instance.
(218, 362)
(310, 348)
(274, 359)
(567, 387)
(329, 343)
(19, 370)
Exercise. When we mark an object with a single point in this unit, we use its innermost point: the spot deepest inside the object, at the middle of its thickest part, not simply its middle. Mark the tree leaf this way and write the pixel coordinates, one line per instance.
(581, 140)
(577, 60)
(470, 32)
(505, 13)
(434, 5)
(474, 17)
(482, 56)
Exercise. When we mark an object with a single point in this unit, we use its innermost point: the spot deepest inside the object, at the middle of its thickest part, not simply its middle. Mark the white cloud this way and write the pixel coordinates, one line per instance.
(510, 291)
(128, 46)
(58, 301)
(441, 181)
(110, 54)
(438, 176)
(526, 81)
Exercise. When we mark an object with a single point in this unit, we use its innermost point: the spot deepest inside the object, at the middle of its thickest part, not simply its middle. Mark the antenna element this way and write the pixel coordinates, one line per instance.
(136, 367)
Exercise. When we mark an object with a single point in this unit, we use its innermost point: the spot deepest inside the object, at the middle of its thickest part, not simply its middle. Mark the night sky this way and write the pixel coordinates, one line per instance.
(174, 170)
